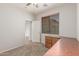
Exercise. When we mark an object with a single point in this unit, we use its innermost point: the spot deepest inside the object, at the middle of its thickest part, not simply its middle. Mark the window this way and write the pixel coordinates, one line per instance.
(50, 24)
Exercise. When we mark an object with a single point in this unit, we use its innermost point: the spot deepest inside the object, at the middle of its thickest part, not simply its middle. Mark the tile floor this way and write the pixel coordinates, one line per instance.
(32, 49)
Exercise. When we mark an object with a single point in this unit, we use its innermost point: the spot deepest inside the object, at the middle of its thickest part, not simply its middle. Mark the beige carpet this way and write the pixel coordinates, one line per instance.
(31, 49)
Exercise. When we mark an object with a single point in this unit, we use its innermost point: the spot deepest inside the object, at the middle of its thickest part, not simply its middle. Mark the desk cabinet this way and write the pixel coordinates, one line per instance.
(50, 41)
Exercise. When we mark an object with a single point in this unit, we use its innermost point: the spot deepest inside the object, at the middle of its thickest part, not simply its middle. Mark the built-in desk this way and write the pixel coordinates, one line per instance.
(64, 47)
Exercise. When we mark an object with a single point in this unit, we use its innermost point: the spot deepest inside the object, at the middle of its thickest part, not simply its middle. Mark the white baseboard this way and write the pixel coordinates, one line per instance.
(11, 48)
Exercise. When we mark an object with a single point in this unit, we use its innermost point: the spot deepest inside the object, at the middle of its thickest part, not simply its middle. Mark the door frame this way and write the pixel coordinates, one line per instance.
(30, 22)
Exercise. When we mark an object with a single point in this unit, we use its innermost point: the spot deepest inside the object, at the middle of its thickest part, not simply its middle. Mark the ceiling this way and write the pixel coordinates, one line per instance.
(32, 9)
(40, 9)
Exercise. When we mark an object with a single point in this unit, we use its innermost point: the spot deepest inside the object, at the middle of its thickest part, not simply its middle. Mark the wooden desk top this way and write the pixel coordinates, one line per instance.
(64, 47)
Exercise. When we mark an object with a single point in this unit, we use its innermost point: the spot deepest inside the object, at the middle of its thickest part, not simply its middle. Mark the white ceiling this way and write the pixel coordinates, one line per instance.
(40, 9)
(32, 9)
(35, 10)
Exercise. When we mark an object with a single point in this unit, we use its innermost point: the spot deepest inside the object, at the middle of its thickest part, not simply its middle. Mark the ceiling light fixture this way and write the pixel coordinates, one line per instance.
(36, 4)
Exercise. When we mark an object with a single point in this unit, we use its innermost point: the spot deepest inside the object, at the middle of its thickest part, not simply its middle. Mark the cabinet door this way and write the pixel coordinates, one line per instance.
(45, 25)
(54, 40)
(48, 43)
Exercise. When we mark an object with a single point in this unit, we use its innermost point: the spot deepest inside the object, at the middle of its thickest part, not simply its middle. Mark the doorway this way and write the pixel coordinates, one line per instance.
(28, 31)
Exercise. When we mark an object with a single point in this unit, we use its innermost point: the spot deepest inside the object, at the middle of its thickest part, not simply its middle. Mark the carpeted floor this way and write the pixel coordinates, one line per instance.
(32, 49)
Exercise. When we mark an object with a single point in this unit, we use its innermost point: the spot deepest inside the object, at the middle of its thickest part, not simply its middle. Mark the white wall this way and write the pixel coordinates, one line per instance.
(36, 27)
(67, 19)
(78, 22)
(12, 27)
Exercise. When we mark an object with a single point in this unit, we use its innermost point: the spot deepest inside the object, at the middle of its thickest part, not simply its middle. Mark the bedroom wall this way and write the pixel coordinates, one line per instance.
(36, 27)
(78, 22)
(12, 27)
(67, 20)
